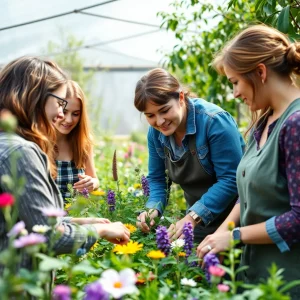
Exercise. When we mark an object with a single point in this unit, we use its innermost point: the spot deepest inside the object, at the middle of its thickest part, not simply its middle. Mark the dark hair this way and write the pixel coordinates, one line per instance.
(157, 86)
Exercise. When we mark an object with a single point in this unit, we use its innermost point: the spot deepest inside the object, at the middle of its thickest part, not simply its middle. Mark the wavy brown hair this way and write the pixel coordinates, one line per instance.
(80, 137)
(24, 87)
(159, 87)
(260, 44)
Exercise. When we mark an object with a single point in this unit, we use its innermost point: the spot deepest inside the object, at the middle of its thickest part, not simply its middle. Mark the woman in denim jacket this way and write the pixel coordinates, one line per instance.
(199, 145)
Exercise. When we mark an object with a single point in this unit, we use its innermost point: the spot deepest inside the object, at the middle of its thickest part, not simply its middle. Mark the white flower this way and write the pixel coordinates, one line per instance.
(119, 284)
(179, 243)
(188, 282)
(139, 194)
(131, 189)
(41, 228)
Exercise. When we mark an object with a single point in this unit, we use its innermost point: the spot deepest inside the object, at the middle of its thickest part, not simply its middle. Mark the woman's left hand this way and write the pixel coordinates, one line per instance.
(214, 243)
(175, 231)
(85, 181)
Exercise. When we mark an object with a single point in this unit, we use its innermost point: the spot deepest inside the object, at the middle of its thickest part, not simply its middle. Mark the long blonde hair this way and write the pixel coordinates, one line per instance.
(80, 137)
(24, 87)
(259, 44)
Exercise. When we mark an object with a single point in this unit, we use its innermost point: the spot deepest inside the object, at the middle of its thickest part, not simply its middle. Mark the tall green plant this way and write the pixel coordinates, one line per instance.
(213, 26)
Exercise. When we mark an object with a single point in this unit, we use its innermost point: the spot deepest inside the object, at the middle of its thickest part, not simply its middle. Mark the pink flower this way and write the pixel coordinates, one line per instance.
(6, 199)
(29, 240)
(223, 287)
(53, 212)
(216, 271)
(62, 292)
(16, 229)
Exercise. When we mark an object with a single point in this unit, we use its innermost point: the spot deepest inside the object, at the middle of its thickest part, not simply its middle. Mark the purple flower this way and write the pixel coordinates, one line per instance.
(85, 193)
(162, 240)
(53, 212)
(111, 200)
(94, 291)
(61, 292)
(145, 186)
(16, 229)
(210, 259)
(188, 238)
(29, 240)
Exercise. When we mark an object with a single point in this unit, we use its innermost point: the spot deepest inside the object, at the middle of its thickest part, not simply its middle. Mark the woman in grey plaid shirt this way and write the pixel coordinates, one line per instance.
(75, 159)
(34, 90)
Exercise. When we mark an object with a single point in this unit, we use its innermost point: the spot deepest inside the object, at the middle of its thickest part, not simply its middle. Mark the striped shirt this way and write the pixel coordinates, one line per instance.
(39, 192)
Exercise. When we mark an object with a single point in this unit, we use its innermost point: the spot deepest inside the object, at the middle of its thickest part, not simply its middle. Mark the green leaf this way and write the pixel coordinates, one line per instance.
(34, 290)
(49, 263)
(289, 286)
(86, 267)
(284, 20)
(240, 269)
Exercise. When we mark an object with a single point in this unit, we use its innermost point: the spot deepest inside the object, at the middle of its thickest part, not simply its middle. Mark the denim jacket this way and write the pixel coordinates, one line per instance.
(220, 148)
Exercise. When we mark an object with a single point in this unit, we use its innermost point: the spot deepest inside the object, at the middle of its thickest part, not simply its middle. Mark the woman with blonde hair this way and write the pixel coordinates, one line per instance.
(200, 146)
(74, 147)
(263, 66)
(34, 91)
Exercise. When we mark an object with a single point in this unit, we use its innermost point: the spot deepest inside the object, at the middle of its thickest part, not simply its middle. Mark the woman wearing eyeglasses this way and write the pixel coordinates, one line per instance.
(74, 148)
(200, 146)
(33, 90)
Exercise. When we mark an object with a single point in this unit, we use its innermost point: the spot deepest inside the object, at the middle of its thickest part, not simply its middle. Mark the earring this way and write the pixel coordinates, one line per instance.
(262, 81)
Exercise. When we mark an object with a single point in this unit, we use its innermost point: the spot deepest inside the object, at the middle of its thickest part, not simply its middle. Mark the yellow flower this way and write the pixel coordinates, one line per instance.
(131, 228)
(182, 254)
(130, 248)
(98, 193)
(137, 186)
(94, 246)
(230, 225)
(67, 206)
(156, 254)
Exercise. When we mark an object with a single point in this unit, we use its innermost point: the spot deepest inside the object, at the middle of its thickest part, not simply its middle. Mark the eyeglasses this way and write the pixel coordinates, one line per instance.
(61, 102)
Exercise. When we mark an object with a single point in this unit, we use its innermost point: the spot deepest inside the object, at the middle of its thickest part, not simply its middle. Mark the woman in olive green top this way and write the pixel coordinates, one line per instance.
(264, 68)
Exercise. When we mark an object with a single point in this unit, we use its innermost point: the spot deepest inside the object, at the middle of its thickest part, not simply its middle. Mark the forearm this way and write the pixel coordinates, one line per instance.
(234, 216)
(74, 237)
(255, 234)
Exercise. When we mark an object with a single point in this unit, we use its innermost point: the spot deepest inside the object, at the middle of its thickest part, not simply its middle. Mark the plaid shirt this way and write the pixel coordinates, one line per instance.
(67, 173)
(40, 191)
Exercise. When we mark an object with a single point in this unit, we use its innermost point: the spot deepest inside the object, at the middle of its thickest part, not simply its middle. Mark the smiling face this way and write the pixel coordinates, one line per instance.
(241, 88)
(167, 118)
(54, 106)
(71, 117)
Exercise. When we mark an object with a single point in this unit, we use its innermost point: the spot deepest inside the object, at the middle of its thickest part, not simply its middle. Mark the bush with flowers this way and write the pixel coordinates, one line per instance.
(149, 266)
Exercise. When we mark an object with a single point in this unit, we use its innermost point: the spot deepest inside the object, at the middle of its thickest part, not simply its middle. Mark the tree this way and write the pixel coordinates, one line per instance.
(191, 58)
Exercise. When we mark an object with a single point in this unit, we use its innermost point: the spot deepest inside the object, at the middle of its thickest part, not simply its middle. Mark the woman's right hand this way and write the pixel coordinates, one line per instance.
(141, 219)
(115, 232)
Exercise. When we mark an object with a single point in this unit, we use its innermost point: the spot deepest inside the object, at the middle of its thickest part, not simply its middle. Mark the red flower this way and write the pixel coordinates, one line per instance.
(6, 199)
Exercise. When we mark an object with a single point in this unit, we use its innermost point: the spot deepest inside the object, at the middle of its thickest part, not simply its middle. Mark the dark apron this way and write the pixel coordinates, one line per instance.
(195, 182)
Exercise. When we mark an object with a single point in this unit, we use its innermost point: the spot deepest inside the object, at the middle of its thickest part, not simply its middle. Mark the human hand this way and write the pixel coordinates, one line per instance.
(85, 181)
(214, 243)
(141, 219)
(83, 221)
(176, 231)
(115, 232)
